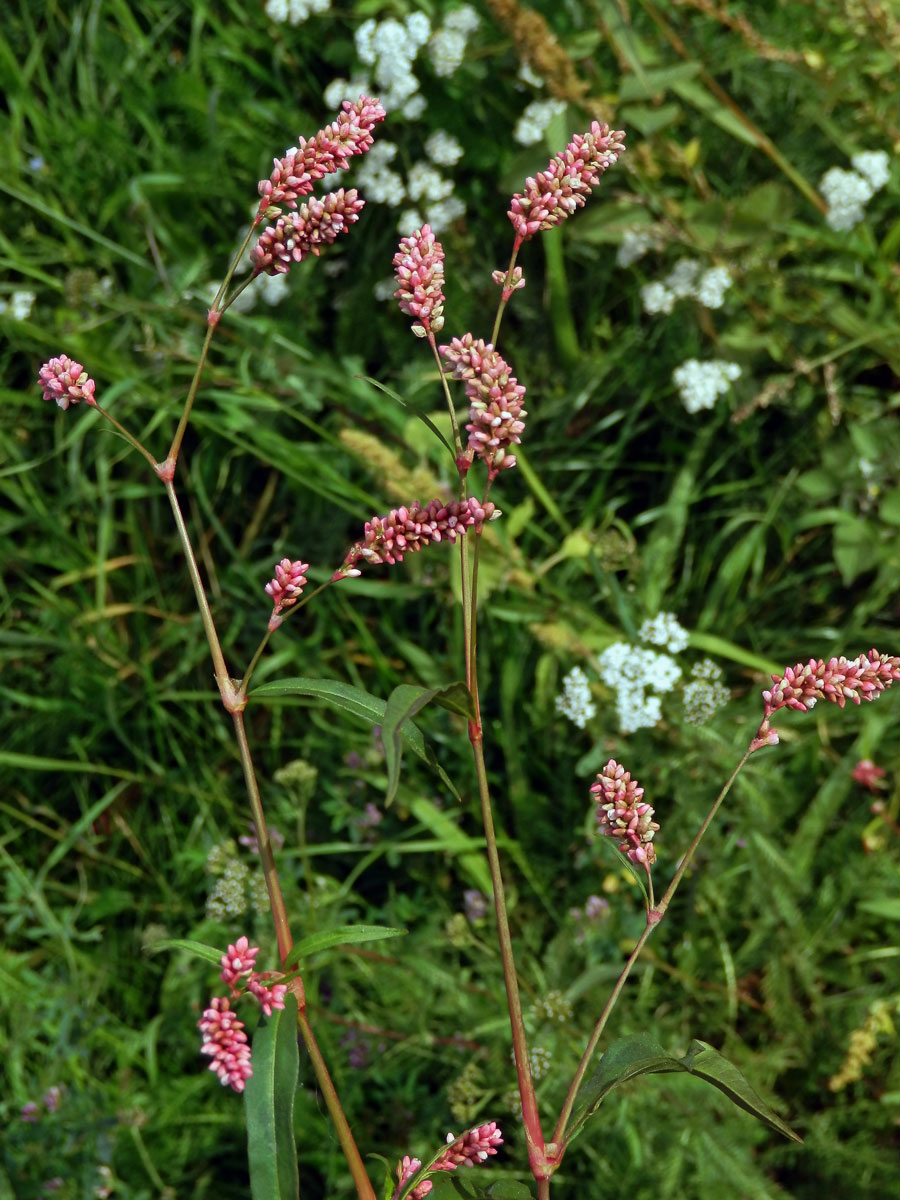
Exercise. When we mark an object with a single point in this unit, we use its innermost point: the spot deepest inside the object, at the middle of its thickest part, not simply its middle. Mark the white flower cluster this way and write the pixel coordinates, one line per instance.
(442, 148)
(19, 304)
(294, 12)
(533, 123)
(701, 384)
(705, 692)
(664, 630)
(686, 279)
(447, 47)
(389, 48)
(632, 671)
(848, 192)
(575, 700)
(634, 245)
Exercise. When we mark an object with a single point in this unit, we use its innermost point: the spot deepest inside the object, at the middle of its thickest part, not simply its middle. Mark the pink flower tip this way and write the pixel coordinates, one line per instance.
(66, 382)
(286, 587)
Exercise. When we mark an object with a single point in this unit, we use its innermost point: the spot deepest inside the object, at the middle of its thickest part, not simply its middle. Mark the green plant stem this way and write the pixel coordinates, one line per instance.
(129, 437)
(560, 306)
(364, 1189)
(234, 700)
(504, 299)
(654, 916)
(215, 313)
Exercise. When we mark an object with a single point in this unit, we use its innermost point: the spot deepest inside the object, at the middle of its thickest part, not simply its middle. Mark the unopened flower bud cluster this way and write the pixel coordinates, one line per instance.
(686, 280)
(624, 815)
(848, 192)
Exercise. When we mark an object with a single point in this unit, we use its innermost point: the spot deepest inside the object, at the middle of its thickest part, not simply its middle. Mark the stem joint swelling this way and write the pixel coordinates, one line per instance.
(234, 698)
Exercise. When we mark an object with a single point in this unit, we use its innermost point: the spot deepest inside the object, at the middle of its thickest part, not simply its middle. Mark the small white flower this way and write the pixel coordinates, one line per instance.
(463, 20)
(533, 123)
(294, 12)
(874, 166)
(418, 27)
(442, 148)
(847, 194)
(19, 304)
(384, 289)
(447, 49)
(656, 298)
(681, 280)
(634, 245)
(444, 213)
(701, 384)
(414, 107)
(575, 700)
(664, 630)
(529, 75)
(340, 90)
(712, 286)
(705, 693)
(407, 223)
(425, 183)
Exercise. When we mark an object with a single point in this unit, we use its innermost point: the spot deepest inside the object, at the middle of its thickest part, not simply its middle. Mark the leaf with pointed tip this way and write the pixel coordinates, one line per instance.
(642, 1055)
(359, 703)
(403, 704)
(426, 420)
(269, 1106)
(343, 935)
(198, 949)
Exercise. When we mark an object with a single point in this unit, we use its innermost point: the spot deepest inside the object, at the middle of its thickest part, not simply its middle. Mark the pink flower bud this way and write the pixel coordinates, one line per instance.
(239, 961)
(419, 268)
(299, 234)
(623, 815)
(408, 529)
(225, 1041)
(495, 396)
(287, 586)
(837, 681)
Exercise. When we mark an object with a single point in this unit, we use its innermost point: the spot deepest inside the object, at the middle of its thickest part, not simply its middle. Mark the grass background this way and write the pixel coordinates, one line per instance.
(132, 137)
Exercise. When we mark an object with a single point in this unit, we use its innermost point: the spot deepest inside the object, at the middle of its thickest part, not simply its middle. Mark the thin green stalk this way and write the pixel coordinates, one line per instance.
(129, 437)
(504, 298)
(654, 916)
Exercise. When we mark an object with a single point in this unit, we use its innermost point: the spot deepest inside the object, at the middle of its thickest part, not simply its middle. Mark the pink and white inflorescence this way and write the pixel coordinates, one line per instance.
(329, 150)
(315, 224)
(410, 528)
(837, 680)
(286, 587)
(419, 269)
(623, 815)
(496, 412)
(225, 1041)
(66, 382)
(555, 193)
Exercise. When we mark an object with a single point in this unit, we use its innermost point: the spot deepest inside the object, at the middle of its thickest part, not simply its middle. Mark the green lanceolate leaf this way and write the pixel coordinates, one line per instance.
(269, 1106)
(343, 935)
(198, 949)
(641, 1055)
(403, 704)
(360, 703)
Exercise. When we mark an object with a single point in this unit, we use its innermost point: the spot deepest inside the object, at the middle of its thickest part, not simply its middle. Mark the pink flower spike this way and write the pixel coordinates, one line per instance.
(268, 997)
(496, 412)
(287, 586)
(470, 1148)
(225, 1041)
(330, 150)
(294, 237)
(838, 681)
(624, 815)
(556, 192)
(66, 382)
(239, 961)
(408, 529)
(419, 269)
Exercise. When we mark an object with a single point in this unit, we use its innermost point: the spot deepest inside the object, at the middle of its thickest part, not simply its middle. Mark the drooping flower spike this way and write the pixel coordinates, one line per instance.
(419, 269)
(329, 150)
(622, 813)
(496, 411)
(410, 528)
(555, 193)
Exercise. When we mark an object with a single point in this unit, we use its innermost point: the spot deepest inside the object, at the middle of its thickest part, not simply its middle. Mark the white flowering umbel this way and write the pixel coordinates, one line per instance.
(701, 384)
(575, 700)
(664, 630)
(686, 280)
(639, 678)
(295, 12)
(705, 693)
(848, 192)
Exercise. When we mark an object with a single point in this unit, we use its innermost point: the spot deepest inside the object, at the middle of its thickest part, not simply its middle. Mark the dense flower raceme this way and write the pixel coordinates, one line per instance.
(294, 237)
(286, 587)
(554, 194)
(66, 382)
(496, 414)
(468, 1150)
(224, 1037)
(419, 269)
(407, 529)
(837, 680)
(622, 814)
(329, 150)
